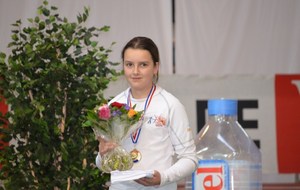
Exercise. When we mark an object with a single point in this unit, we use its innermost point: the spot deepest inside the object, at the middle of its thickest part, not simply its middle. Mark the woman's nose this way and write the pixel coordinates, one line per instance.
(135, 69)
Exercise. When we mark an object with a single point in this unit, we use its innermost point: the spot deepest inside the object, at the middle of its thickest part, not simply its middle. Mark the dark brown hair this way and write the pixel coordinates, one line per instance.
(144, 43)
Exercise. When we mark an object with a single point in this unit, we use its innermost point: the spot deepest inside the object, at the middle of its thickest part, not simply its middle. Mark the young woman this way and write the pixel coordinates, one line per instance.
(165, 142)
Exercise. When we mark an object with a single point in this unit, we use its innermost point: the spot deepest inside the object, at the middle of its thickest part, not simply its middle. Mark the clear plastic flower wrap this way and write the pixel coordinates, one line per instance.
(114, 122)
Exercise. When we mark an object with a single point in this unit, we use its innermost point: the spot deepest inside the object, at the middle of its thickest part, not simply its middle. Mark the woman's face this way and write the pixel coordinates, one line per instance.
(139, 69)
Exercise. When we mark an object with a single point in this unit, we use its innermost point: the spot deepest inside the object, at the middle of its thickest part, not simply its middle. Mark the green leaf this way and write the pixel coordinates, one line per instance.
(105, 28)
(86, 10)
(17, 23)
(27, 30)
(37, 19)
(79, 18)
(94, 44)
(52, 18)
(2, 57)
(28, 48)
(11, 44)
(87, 124)
(87, 41)
(23, 36)
(42, 25)
(30, 20)
(53, 8)
(78, 51)
(45, 12)
(14, 37)
(15, 31)
(84, 17)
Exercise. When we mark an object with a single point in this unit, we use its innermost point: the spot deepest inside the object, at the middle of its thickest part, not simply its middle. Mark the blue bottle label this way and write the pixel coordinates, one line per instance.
(211, 175)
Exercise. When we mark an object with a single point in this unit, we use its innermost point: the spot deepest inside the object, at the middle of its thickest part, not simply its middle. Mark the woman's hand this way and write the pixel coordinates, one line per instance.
(105, 146)
(150, 181)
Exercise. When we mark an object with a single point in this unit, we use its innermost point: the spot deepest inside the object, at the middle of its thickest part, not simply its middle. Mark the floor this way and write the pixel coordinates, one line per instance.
(294, 186)
(281, 186)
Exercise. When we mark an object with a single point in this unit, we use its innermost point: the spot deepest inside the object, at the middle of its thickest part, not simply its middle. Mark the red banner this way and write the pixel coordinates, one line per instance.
(3, 110)
(287, 92)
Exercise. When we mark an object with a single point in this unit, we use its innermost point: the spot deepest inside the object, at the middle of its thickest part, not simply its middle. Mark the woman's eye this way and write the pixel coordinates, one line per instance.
(128, 64)
(144, 64)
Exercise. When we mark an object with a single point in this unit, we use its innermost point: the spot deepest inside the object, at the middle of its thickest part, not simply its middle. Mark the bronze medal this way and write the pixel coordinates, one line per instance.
(136, 155)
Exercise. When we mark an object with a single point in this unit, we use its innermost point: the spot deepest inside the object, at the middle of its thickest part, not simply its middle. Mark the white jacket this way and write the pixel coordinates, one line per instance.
(168, 148)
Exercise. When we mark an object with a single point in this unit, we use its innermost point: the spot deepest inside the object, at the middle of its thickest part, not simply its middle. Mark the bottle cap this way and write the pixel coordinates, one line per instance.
(222, 107)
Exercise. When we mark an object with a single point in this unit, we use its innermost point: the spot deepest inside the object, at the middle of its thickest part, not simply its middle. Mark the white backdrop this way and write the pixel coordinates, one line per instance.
(126, 18)
(227, 48)
(250, 37)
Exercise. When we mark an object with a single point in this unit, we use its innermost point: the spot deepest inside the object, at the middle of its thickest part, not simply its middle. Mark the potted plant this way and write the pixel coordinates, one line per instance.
(56, 71)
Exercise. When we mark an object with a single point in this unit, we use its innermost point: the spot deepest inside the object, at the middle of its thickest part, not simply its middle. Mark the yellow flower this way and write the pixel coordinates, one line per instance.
(131, 113)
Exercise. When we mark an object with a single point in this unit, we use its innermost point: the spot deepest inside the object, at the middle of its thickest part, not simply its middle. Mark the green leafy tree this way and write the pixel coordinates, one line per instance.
(56, 71)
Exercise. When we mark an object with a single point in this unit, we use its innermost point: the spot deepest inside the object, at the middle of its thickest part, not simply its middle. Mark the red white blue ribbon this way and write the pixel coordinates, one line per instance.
(135, 135)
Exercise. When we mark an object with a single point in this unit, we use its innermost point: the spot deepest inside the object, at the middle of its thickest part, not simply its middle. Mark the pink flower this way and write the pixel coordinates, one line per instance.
(104, 112)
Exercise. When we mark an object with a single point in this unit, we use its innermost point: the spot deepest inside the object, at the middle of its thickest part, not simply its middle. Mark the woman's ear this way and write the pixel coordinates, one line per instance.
(156, 68)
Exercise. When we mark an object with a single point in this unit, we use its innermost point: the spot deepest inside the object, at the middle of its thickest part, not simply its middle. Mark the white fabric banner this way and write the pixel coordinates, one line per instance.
(127, 19)
(212, 38)
(250, 37)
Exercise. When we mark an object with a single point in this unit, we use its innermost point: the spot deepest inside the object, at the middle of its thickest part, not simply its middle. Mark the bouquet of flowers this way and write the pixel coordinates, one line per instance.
(114, 122)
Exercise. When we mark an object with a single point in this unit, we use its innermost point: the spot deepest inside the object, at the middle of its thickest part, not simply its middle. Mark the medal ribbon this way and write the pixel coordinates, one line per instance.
(135, 135)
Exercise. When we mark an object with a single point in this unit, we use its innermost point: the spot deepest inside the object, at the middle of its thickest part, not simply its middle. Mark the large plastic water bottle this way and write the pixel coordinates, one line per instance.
(228, 157)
